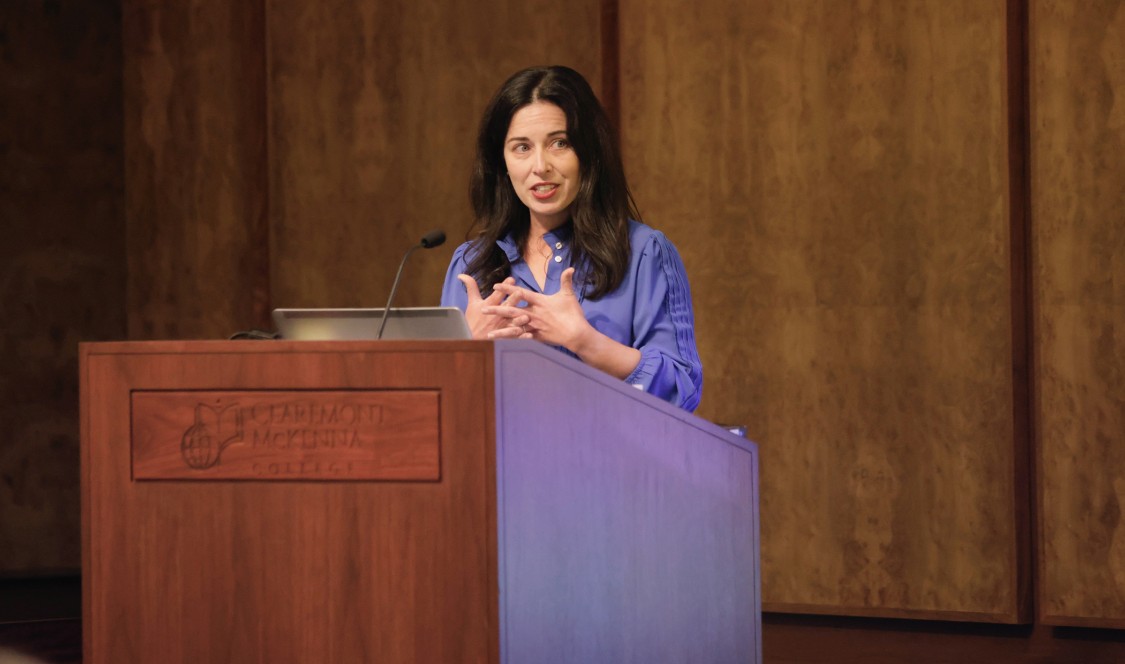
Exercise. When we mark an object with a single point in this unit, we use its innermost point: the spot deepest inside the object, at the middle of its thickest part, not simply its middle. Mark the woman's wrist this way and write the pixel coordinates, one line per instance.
(585, 342)
(599, 350)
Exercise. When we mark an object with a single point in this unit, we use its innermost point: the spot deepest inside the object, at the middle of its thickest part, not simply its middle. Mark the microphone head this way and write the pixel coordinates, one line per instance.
(433, 239)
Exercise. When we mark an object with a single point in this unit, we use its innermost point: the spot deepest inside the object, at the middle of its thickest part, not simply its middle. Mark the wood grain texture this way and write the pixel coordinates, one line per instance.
(629, 535)
(278, 435)
(195, 165)
(373, 109)
(1078, 207)
(62, 252)
(288, 571)
(835, 176)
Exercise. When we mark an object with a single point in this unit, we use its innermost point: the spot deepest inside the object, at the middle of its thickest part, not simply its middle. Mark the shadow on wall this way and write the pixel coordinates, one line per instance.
(55, 297)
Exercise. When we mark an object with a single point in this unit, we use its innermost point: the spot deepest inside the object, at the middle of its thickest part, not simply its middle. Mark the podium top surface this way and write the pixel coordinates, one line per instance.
(498, 350)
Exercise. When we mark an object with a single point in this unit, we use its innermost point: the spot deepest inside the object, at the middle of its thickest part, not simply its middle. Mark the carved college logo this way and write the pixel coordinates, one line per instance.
(215, 429)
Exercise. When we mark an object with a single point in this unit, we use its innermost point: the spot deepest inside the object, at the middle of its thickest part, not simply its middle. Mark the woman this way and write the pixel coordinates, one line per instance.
(556, 252)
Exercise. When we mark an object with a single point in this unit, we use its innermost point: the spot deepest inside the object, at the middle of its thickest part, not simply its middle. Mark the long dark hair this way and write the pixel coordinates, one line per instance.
(600, 213)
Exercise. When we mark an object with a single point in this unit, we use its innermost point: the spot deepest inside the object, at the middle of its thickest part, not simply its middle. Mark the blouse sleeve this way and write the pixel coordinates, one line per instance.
(453, 291)
(664, 327)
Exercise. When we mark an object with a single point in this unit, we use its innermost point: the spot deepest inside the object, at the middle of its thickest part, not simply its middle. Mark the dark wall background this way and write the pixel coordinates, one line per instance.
(903, 225)
(62, 259)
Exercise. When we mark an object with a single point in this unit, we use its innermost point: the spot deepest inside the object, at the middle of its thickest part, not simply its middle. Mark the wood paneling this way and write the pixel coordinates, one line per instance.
(288, 571)
(195, 164)
(61, 259)
(295, 169)
(835, 176)
(1078, 208)
(373, 110)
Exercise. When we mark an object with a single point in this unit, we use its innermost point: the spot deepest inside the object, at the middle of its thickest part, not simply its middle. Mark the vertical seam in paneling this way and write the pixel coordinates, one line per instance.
(1019, 194)
(122, 170)
(264, 277)
(611, 61)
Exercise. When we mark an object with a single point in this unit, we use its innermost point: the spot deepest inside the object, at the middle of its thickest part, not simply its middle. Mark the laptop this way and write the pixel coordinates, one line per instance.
(363, 324)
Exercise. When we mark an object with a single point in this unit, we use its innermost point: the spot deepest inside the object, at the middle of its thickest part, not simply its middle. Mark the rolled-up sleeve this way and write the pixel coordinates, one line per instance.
(664, 327)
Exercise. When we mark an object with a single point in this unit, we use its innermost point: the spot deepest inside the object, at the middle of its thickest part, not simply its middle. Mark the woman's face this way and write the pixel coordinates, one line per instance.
(541, 163)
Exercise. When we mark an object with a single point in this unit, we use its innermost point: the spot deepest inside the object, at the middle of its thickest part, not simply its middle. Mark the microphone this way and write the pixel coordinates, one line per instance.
(434, 238)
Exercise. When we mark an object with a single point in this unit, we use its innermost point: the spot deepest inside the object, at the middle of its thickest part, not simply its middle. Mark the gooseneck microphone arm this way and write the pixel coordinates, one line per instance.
(430, 240)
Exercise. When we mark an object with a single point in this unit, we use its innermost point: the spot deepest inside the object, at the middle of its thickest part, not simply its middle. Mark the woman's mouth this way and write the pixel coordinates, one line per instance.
(544, 191)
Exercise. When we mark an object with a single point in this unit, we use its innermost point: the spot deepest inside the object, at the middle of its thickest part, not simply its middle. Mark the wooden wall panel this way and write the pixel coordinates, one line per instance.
(373, 110)
(1078, 208)
(195, 164)
(61, 261)
(835, 176)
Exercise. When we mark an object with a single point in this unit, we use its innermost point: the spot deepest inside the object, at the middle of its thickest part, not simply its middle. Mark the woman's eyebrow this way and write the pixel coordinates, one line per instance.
(556, 132)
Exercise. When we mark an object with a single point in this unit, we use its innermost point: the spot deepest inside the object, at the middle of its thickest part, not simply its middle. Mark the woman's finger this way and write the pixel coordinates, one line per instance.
(566, 281)
(503, 311)
(530, 297)
(497, 297)
(471, 288)
(509, 332)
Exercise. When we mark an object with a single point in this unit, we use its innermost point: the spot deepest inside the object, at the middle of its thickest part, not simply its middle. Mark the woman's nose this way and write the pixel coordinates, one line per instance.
(541, 164)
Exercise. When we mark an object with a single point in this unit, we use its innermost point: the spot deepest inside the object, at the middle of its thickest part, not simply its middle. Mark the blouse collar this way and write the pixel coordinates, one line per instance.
(560, 235)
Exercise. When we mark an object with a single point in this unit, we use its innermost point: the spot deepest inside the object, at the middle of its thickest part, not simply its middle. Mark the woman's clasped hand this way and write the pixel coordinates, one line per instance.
(554, 319)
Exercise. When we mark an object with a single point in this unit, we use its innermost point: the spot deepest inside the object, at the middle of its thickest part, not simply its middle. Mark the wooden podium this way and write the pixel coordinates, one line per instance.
(442, 502)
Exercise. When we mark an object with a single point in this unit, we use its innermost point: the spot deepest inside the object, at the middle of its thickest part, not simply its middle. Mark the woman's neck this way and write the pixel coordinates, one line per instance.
(536, 251)
(537, 228)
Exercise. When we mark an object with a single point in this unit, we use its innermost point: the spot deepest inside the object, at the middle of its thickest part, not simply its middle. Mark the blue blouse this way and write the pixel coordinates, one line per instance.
(650, 311)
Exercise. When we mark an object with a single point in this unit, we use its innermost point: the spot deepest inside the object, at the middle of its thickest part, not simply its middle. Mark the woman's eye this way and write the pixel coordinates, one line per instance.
(562, 143)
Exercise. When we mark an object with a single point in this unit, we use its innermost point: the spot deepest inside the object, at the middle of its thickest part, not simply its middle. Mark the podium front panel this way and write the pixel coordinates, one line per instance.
(275, 561)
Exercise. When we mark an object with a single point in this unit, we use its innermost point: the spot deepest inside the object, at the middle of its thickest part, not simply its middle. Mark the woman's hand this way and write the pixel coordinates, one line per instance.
(484, 324)
(554, 319)
(559, 320)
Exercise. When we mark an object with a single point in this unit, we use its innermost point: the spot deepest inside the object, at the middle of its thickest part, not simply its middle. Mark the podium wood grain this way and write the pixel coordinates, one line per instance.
(574, 518)
(338, 571)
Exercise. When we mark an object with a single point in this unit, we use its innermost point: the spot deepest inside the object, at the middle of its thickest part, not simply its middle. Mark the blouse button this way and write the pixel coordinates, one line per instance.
(558, 259)
(558, 245)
